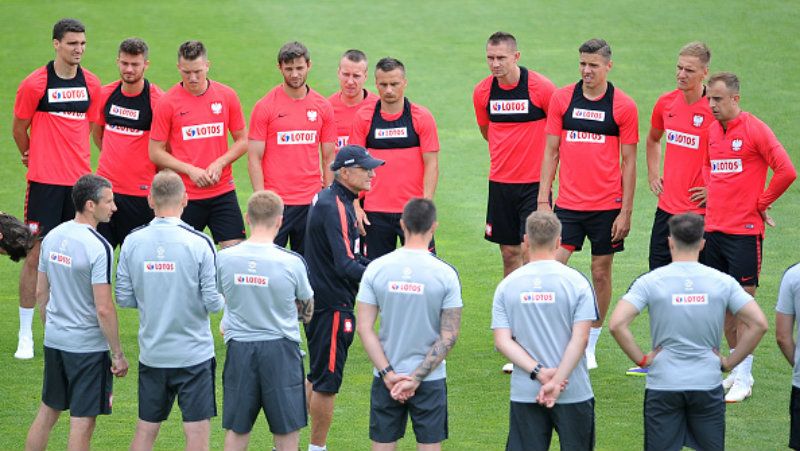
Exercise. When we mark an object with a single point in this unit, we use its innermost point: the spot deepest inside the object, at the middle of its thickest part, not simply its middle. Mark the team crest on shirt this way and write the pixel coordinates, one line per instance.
(407, 272)
(60, 259)
(736, 145)
(311, 115)
(407, 288)
(537, 283)
(160, 266)
(537, 297)
(488, 229)
(250, 280)
(348, 326)
(697, 120)
(251, 266)
(160, 252)
(690, 299)
(688, 285)
(216, 107)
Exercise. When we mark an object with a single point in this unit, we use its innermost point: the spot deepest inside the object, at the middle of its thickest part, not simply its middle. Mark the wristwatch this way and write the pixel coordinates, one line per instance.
(536, 370)
(385, 371)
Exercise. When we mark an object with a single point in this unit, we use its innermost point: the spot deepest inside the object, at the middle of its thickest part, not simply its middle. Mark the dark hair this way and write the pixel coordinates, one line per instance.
(419, 215)
(291, 51)
(596, 46)
(355, 55)
(730, 79)
(389, 64)
(501, 37)
(686, 229)
(17, 238)
(191, 50)
(134, 46)
(65, 26)
(88, 188)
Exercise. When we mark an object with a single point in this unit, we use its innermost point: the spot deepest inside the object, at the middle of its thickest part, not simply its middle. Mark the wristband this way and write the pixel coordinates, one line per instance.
(385, 371)
(643, 362)
(536, 370)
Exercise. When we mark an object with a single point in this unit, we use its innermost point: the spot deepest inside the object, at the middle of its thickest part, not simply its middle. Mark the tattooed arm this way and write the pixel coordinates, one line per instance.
(305, 309)
(448, 334)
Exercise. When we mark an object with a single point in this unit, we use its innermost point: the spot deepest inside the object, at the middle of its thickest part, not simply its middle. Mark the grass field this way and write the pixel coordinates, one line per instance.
(442, 45)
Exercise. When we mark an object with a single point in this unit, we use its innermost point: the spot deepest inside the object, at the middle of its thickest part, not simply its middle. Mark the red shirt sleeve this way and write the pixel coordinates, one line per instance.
(425, 126)
(657, 118)
(627, 117)
(105, 93)
(480, 98)
(94, 86)
(328, 132)
(358, 135)
(783, 172)
(555, 117)
(543, 90)
(236, 118)
(258, 121)
(156, 94)
(30, 91)
(162, 120)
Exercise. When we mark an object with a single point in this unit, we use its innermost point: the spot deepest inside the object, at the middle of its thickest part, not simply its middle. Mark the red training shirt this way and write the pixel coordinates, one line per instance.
(345, 115)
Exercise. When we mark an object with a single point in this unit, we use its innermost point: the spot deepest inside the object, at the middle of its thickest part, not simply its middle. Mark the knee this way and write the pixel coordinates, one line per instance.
(510, 253)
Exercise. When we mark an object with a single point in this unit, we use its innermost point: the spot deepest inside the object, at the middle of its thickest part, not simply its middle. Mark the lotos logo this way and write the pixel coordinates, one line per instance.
(388, 133)
(683, 139)
(124, 130)
(407, 288)
(127, 113)
(585, 137)
(297, 137)
(589, 115)
(62, 95)
(726, 166)
(690, 299)
(537, 297)
(151, 266)
(250, 280)
(342, 141)
(72, 115)
(736, 145)
(508, 106)
(61, 259)
(203, 131)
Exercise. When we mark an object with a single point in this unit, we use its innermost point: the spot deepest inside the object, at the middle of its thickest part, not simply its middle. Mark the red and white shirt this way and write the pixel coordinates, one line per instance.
(344, 115)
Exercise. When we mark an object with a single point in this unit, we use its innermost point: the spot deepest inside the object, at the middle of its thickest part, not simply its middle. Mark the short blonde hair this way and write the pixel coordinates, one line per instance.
(542, 229)
(698, 50)
(167, 189)
(264, 207)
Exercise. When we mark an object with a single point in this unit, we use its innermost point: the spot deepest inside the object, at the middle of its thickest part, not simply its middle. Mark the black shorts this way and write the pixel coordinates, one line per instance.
(428, 410)
(577, 225)
(80, 382)
(674, 419)
(221, 214)
(327, 356)
(794, 412)
(47, 206)
(293, 228)
(507, 209)
(531, 426)
(194, 386)
(659, 245)
(132, 212)
(383, 233)
(737, 255)
(264, 375)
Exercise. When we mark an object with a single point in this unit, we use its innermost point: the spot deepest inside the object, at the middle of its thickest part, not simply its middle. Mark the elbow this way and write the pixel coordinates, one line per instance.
(105, 311)
(784, 339)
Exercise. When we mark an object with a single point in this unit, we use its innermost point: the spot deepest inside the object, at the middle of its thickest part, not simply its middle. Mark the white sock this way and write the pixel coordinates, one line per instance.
(746, 367)
(25, 321)
(313, 447)
(594, 335)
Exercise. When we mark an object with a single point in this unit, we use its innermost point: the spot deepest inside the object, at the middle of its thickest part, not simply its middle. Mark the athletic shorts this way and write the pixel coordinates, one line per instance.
(80, 382)
(659, 245)
(329, 335)
(427, 408)
(132, 212)
(47, 206)
(293, 227)
(577, 225)
(507, 209)
(674, 419)
(531, 426)
(794, 411)
(193, 385)
(382, 235)
(737, 255)
(268, 376)
(221, 214)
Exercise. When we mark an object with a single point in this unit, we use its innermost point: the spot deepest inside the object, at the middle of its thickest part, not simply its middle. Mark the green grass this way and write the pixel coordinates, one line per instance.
(442, 45)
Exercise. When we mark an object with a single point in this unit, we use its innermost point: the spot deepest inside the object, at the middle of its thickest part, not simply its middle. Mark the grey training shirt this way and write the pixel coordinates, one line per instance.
(789, 304)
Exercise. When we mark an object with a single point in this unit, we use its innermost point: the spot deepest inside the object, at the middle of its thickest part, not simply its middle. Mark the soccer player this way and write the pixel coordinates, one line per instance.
(403, 134)
(740, 150)
(684, 401)
(351, 95)
(167, 271)
(122, 133)
(785, 318)
(266, 289)
(80, 321)
(16, 239)
(541, 317)
(52, 110)
(189, 135)
(418, 299)
(335, 269)
(684, 116)
(291, 143)
(589, 125)
(511, 109)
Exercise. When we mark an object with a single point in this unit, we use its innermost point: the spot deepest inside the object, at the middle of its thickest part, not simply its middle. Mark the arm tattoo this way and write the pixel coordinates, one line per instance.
(305, 309)
(448, 334)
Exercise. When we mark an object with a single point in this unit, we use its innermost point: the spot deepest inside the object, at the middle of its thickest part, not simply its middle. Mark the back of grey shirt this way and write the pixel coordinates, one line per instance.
(686, 302)
(789, 304)
(74, 257)
(410, 289)
(260, 283)
(167, 270)
(540, 303)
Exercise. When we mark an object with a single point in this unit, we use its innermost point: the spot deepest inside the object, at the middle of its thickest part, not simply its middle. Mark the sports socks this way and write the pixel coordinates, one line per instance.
(313, 447)
(25, 321)
(594, 335)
